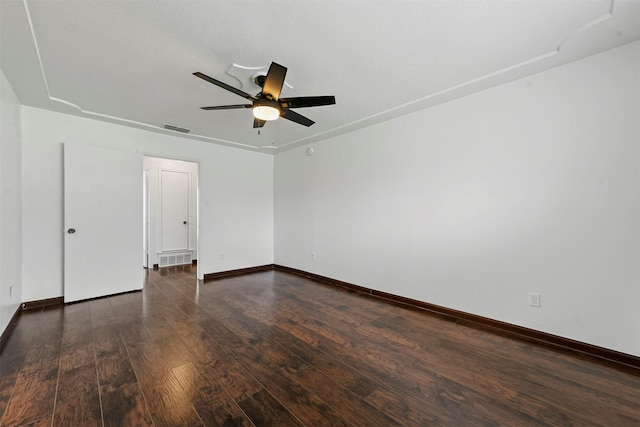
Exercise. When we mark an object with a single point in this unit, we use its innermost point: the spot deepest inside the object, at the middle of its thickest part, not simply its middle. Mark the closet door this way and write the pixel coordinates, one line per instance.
(103, 204)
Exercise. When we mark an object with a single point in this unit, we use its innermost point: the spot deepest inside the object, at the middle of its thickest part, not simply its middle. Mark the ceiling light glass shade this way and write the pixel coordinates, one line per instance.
(265, 112)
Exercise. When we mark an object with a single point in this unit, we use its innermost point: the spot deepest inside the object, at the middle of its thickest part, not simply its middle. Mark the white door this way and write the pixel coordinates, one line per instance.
(174, 200)
(103, 231)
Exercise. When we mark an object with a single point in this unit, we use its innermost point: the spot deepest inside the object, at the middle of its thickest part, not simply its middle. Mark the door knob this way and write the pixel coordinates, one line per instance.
(71, 230)
(184, 222)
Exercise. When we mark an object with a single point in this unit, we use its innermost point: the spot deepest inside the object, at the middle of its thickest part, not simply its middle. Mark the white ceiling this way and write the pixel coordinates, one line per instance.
(131, 62)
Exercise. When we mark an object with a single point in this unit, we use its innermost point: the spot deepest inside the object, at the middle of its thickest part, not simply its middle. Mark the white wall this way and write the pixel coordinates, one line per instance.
(236, 191)
(533, 186)
(10, 204)
(155, 165)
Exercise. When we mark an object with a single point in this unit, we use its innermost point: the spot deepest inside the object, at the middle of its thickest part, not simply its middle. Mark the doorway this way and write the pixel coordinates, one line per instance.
(171, 213)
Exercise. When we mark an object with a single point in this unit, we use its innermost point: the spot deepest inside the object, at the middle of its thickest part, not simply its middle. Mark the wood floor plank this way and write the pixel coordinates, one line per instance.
(43, 422)
(304, 405)
(24, 337)
(212, 402)
(78, 353)
(169, 401)
(238, 382)
(78, 399)
(7, 384)
(264, 410)
(102, 313)
(114, 368)
(125, 406)
(126, 312)
(350, 406)
(34, 393)
(222, 413)
(232, 375)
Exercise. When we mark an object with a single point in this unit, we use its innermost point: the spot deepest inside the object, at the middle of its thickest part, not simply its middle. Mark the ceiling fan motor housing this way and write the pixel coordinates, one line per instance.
(259, 79)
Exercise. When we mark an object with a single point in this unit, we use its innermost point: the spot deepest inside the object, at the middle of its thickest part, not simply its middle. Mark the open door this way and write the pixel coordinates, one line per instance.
(102, 211)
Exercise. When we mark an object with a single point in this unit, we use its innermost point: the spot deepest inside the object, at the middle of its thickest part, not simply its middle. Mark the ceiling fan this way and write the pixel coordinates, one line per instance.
(267, 105)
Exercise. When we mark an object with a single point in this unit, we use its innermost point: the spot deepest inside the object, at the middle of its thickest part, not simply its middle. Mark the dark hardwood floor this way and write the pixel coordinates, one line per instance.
(271, 349)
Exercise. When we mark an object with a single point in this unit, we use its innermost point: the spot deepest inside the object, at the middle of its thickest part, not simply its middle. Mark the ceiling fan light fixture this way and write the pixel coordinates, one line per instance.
(267, 105)
(265, 112)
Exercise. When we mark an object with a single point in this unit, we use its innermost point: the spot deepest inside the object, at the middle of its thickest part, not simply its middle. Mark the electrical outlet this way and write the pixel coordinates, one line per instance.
(313, 256)
(221, 257)
(534, 299)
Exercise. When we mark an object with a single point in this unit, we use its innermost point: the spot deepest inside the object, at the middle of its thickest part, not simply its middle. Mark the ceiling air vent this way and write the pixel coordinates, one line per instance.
(177, 129)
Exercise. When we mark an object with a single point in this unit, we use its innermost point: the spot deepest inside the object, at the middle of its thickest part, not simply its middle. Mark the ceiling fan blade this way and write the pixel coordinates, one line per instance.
(227, 107)
(307, 101)
(257, 123)
(274, 81)
(295, 117)
(224, 86)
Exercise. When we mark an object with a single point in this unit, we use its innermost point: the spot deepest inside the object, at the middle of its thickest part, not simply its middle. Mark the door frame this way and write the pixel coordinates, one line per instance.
(145, 218)
(196, 202)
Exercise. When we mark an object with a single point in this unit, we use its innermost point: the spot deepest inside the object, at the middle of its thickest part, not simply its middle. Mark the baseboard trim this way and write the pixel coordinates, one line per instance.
(10, 327)
(30, 305)
(100, 297)
(238, 272)
(613, 358)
